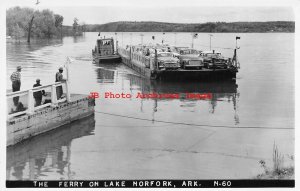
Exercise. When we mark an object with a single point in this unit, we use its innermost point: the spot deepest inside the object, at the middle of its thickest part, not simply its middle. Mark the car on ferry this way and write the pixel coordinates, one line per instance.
(166, 61)
(213, 60)
(190, 58)
(176, 50)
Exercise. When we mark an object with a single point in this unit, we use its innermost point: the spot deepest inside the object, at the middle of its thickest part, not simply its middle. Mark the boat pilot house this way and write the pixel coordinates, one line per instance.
(105, 51)
(105, 46)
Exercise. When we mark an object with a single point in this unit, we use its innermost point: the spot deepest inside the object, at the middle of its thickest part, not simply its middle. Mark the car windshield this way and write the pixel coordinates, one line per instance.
(180, 48)
(164, 54)
(211, 54)
(190, 51)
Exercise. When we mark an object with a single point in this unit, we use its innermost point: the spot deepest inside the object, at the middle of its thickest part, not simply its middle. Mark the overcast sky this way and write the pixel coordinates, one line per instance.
(188, 11)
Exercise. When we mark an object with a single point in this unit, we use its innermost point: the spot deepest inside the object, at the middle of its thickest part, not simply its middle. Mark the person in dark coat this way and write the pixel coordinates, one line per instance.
(38, 96)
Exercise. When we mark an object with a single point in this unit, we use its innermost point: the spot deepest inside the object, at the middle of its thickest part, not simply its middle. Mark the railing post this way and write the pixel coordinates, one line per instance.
(68, 91)
(130, 53)
(117, 47)
(53, 96)
(155, 61)
(67, 81)
(30, 102)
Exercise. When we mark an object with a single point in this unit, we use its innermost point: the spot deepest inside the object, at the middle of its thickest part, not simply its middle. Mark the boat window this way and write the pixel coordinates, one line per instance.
(106, 42)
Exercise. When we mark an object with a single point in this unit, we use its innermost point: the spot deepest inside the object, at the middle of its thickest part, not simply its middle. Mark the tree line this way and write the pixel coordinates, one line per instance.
(237, 27)
(27, 22)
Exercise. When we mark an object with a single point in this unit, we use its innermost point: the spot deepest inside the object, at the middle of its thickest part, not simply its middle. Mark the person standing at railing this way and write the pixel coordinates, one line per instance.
(16, 83)
(59, 78)
(38, 96)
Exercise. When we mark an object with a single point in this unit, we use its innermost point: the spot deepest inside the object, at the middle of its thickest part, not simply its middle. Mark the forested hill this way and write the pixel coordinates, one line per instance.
(243, 27)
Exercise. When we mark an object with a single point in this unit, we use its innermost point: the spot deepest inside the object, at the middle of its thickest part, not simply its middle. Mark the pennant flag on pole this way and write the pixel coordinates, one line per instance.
(69, 59)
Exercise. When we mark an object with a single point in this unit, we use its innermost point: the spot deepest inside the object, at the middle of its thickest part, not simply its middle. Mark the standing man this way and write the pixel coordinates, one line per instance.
(59, 78)
(16, 83)
(38, 96)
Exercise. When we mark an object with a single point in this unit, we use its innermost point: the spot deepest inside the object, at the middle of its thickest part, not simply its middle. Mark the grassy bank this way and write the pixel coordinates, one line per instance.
(279, 170)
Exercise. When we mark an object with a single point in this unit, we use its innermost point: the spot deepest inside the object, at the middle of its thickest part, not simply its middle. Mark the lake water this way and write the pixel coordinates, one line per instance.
(221, 138)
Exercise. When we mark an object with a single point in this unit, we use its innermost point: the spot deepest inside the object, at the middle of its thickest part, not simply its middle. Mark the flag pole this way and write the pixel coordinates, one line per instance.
(236, 38)
(192, 41)
(175, 39)
(210, 35)
(68, 80)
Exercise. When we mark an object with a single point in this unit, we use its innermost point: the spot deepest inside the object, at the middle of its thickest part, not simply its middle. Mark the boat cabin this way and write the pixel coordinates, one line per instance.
(105, 47)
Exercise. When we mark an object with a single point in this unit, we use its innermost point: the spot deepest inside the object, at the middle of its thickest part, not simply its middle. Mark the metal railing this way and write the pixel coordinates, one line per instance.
(53, 102)
(123, 52)
(30, 98)
(136, 56)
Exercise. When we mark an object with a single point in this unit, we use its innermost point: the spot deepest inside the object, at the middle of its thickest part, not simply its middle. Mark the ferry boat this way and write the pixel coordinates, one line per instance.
(148, 64)
(105, 51)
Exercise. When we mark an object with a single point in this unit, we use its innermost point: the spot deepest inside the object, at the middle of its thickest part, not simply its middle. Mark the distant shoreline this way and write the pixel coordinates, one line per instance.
(210, 27)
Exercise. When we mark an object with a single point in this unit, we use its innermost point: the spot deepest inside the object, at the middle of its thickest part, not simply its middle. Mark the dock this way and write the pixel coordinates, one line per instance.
(25, 119)
(147, 67)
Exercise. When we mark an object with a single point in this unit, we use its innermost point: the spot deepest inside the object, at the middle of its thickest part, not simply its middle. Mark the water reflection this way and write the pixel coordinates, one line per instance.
(214, 92)
(106, 75)
(222, 91)
(22, 47)
(77, 39)
(47, 153)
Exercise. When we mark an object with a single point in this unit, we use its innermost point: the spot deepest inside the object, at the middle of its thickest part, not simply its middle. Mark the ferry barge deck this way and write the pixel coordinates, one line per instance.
(148, 67)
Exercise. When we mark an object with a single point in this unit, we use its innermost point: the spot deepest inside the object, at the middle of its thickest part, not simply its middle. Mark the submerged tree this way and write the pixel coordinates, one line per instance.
(23, 17)
(83, 26)
(17, 32)
(45, 24)
(75, 26)
(30, 27)
(21, 22)
(58, 22)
